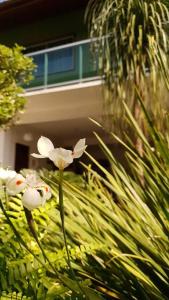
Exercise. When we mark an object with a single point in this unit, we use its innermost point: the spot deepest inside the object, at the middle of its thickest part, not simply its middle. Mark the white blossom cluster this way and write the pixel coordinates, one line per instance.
(35, 191)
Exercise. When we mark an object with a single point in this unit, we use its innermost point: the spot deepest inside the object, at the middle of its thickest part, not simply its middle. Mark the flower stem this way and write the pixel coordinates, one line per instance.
(61, 206)
(6, 198)
(20, 240)
(32, 229)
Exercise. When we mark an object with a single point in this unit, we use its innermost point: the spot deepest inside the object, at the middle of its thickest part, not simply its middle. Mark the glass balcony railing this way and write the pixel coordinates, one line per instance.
(64, 65)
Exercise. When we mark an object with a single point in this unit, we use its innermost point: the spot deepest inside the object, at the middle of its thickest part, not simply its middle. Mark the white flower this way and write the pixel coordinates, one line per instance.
(35, 191)
(79, 148)
(32, 179)
(6, 174)
(33, 198)
(44, 146)
(61, 157)
(15, 185)
(47, 191)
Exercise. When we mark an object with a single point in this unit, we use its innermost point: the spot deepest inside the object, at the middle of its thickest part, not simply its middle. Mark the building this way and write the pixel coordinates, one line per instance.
(66, 89)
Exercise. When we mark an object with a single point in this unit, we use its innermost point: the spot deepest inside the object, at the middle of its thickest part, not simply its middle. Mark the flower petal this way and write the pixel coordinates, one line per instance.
(79, 148)
(44, 146)
(15, 185)
(38, 155)
(32, 179)
(61, 157)
(80, 144)
(47, 192)
(32, 199)
(6, 174)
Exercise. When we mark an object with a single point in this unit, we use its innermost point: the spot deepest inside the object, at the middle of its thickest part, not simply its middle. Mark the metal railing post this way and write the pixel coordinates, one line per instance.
(80, 62)
(45, 70)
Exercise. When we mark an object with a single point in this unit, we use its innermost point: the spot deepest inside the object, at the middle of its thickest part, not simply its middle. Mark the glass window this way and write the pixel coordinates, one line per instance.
(39, 62)
(60, 61)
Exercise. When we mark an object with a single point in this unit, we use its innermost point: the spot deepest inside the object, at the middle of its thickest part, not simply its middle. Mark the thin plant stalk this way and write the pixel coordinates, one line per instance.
(61, 207)
(32, 229)
(20, 240)
(62, 216)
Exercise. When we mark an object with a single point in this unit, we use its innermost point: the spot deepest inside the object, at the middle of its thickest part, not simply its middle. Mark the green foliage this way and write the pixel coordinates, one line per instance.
(132, 46)
(126, 215)
(20, 270)
(15, 70)
(117, 227)
(166, 2)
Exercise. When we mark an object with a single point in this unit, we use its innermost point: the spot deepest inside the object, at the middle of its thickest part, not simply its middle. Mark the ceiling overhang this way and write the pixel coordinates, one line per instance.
(29, 10)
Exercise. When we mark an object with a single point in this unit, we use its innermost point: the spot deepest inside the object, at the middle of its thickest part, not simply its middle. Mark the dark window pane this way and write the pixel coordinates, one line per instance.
(60, 61)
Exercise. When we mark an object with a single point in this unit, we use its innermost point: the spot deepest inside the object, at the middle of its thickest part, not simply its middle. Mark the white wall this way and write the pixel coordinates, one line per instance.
(7, 149)
(8, 140)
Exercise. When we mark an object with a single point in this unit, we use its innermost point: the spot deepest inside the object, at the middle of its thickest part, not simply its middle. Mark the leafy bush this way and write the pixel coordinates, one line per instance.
(15, 70)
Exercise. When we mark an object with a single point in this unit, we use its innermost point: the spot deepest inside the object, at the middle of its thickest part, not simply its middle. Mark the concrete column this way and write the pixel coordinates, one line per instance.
(2, 147)
(7, 149)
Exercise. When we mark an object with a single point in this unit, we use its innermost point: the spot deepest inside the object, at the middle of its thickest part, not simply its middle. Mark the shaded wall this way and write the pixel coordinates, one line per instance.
(46, 29)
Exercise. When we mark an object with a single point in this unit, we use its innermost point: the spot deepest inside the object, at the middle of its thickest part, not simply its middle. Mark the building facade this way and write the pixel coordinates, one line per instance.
(66, 89)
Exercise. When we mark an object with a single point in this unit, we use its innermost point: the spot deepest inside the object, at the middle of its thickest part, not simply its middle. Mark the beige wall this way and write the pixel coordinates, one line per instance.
(60, 114)
(8, 142)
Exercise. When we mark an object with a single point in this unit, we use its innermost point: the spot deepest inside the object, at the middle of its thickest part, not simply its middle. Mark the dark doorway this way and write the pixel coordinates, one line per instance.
(21, 157)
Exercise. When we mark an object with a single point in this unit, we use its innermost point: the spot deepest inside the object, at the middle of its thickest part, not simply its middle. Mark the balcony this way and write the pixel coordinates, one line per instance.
(65, 91)
(64, 65)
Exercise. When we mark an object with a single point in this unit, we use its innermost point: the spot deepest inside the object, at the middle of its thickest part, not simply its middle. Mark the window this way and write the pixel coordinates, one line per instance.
(58, 61)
